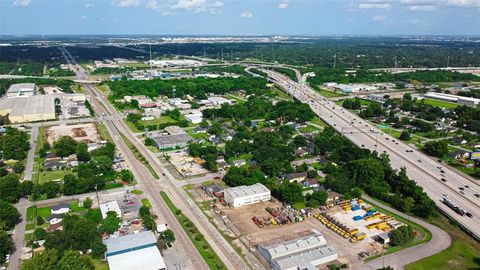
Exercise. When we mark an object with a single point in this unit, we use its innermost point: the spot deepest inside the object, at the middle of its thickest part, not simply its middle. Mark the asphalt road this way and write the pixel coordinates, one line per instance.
(421, 168)
(167, 183)
(31, 153)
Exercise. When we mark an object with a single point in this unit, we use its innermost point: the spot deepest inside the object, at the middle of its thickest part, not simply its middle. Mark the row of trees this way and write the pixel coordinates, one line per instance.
(196, 87)
(14, 144)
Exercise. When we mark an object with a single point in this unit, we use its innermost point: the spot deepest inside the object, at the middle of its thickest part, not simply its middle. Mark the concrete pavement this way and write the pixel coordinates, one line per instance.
(31, 153)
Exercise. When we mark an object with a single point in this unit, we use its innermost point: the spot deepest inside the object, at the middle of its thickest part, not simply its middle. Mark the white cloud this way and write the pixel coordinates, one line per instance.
(283, 5)
(246, 14)
(126, 3)
(422, 8)
(89, 5)
(83, 17)
(463, 3)
(417, 22)
(21, 3)
(374, 5)
(199, 6)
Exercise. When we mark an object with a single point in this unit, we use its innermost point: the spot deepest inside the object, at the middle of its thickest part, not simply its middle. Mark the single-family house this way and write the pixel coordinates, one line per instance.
(60, 208)
(292, 177)
(54, 219)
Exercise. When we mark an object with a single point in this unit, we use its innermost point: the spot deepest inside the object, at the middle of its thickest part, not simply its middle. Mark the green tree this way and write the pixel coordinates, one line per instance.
(405, 136)
(168, 235)
(72, 260)
(6, 247)
(9, 188)
(65, 146)
(111, 223)
(87, 203)
(317, 198)
(402, 236)
(42, 261)
(40, 233)
(82, 152)
(292, 192)
(18, 167)
(436, 148)
(9, 216)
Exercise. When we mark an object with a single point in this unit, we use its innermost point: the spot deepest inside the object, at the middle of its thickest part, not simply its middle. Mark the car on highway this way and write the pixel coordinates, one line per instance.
(461, 188)
(444, 180)
(469, 215)
(476, 195)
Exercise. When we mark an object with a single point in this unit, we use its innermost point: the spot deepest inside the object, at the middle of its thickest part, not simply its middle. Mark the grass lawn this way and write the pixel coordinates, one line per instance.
(236, 98)
(100, 265)
(33, 211)
(40, 138)
(139, 156)
(102, 130)
(464, 253)
(159, 120)
(299, 205)
(137, 191)
(153, 148)
(281, 94)
(327, 93)
(440, 103)
(198, 240)
(308, 128)
(75, 208)
(319, 122)
(243, 156)
(146, 203)
(48, 176)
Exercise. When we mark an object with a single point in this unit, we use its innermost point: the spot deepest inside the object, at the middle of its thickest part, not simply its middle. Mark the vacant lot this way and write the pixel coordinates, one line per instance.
(440, 103)
(82, 132)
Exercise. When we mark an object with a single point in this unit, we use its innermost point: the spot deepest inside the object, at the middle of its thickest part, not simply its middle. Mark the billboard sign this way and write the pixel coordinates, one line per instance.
(475, 155)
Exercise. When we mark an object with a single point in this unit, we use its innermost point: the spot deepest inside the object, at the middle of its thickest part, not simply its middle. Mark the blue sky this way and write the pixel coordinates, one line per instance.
(240, 17)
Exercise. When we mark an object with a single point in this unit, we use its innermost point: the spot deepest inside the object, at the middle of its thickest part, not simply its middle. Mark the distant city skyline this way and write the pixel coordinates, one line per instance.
(224, 17)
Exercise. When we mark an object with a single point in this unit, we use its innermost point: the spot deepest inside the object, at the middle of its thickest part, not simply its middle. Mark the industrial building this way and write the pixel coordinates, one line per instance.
(134, 251)
(453, 98)
(353, 88)
(195, 117)
(22, 90)
(28, 108)
(172, 141)
(245, 195)
(305, 250)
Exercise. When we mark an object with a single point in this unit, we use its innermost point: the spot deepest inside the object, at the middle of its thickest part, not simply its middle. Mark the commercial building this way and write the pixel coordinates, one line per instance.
(110, 206)
(305, 250)
(134, 251)
(353, 88)
(172, 141)
(453, 98)
(245, 195)
(21, 90)
(217, 101)
(195, 117)
(28, 108)
(175, 130)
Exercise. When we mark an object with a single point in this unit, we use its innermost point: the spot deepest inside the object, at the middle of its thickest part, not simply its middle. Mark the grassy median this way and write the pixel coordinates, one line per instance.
(139, 156)
(198, 240)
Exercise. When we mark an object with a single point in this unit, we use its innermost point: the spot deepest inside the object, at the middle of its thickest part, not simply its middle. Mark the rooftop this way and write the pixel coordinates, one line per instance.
(172, 139)
(21, 87)
(126, 243)
(241, 191)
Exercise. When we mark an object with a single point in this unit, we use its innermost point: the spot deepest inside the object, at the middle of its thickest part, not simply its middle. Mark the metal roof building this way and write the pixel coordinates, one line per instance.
(21, 90)
(245, 195)
(110, 206)
(305, 250)
(172, 141)
(28, 108)
(134, 251)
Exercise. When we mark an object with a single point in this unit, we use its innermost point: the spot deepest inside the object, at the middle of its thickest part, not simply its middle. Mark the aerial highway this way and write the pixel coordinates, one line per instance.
(438, 181)
(117, 127)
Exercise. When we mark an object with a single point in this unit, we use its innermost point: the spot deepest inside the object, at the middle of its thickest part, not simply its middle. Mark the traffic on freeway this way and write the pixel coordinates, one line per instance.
(438, 182)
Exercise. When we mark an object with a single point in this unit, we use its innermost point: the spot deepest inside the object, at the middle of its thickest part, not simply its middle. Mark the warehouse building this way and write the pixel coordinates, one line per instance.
(454, 98)
(110, 206)
(305, 250)
(28, 108)
(245, 195)
(134, 251)
(21, 90)
(172, 141)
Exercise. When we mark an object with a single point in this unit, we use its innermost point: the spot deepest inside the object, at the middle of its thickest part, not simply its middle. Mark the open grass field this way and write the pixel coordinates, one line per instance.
(464, 253)
(440, 103)
(281, 94)
(327, 93)
(319, 122)
(102, 130)
(139, 156)
(48, 176)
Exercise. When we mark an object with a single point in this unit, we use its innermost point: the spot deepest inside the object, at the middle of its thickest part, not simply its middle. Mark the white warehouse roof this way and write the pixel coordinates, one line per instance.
(243, 191)
(110, 206)
(21, 87)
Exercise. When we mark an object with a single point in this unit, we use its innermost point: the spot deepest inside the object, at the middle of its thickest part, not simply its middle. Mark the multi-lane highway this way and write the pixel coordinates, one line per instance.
(437, 180)
(117, 127)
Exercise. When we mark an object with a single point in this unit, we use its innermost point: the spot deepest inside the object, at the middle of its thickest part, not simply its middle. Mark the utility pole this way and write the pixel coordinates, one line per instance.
(334, 60)
(396, 62)
(448, 61)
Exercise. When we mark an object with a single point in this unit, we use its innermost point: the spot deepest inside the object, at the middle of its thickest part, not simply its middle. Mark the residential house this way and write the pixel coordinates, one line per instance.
(60, 208)
(311, 183)
(292, 177)
(459, 154)
(54, 219)
(239, 162)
